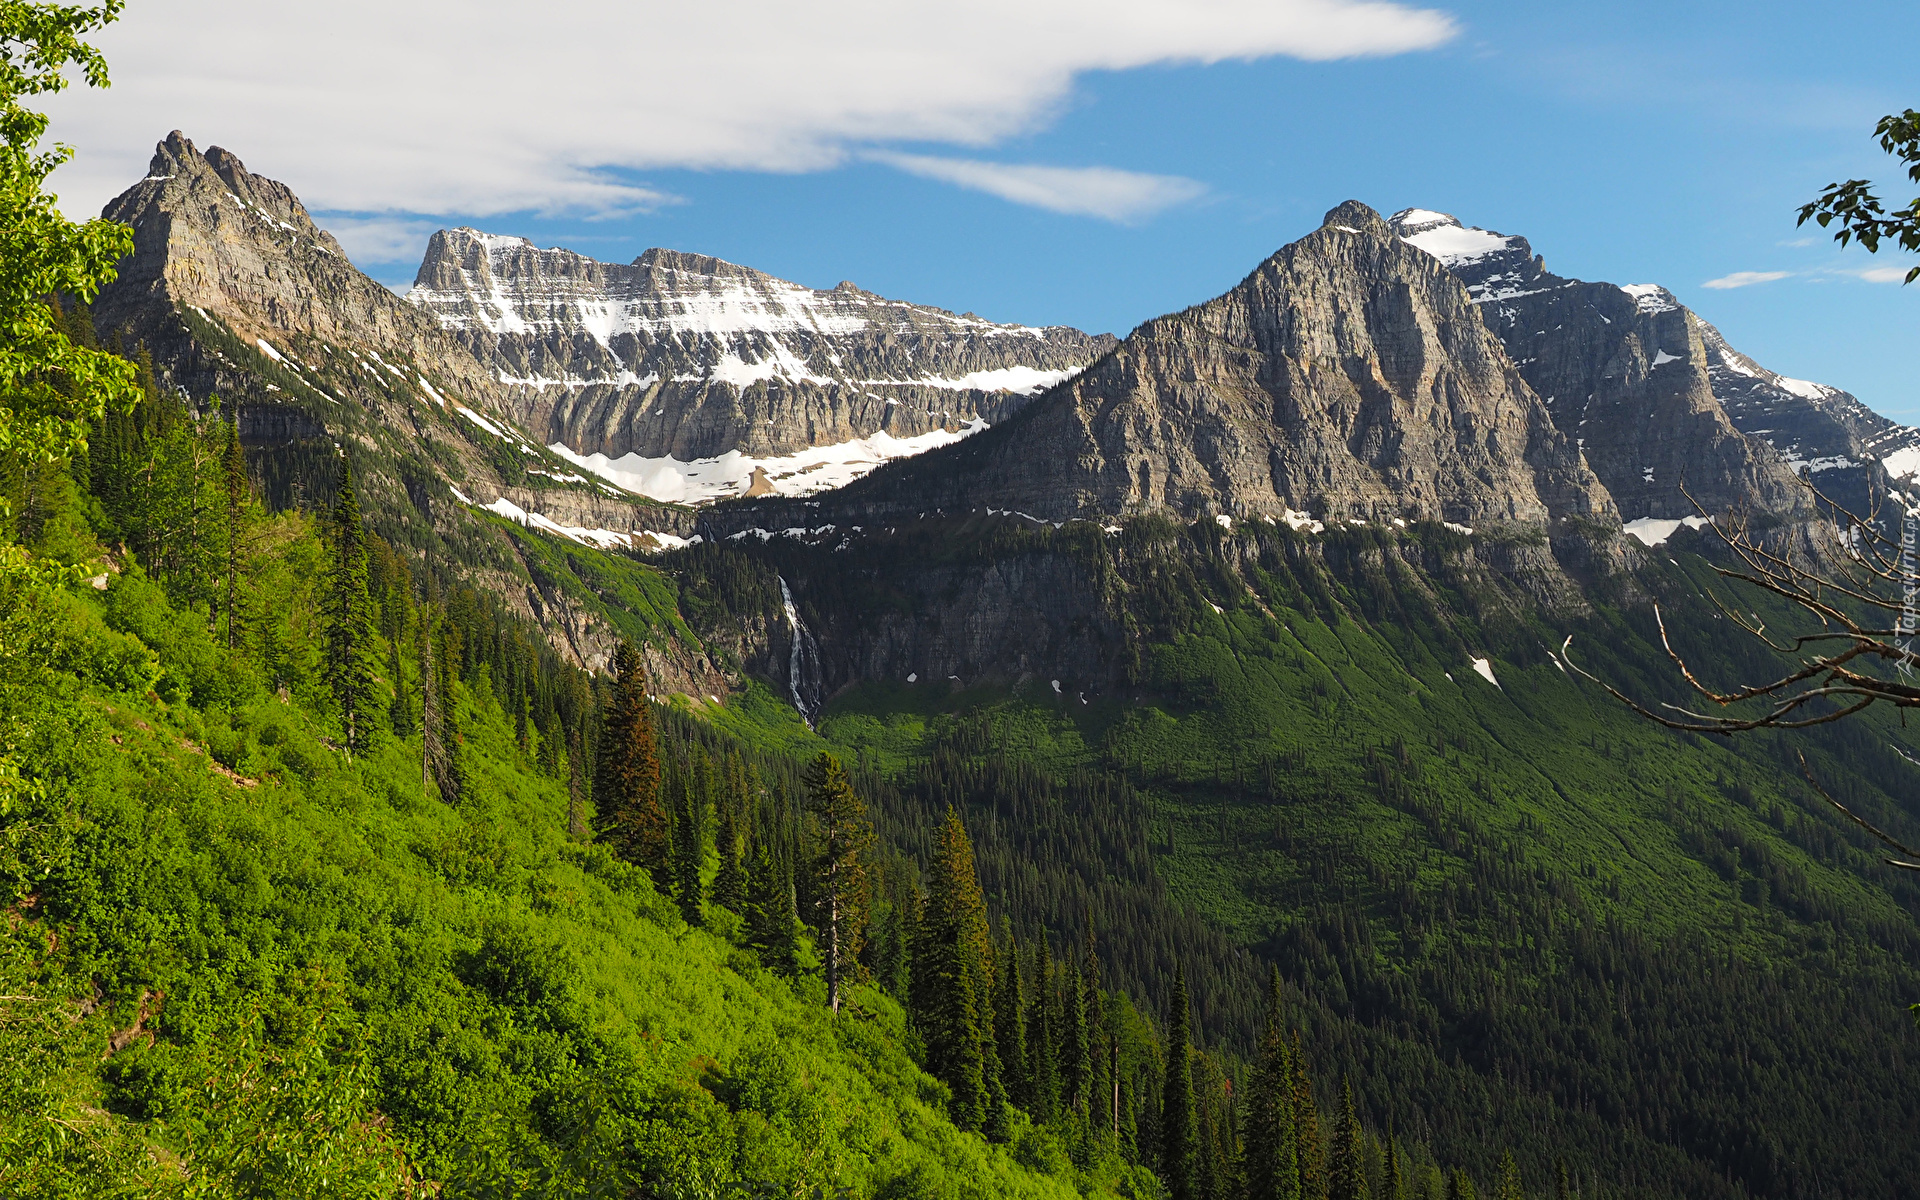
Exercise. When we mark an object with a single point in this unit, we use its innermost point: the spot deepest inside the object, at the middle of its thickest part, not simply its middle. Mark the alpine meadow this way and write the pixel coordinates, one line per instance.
(1413, 726)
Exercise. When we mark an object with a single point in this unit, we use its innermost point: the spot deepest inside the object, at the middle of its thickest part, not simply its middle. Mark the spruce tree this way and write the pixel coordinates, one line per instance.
(950, 989)
(1176, 1104)
(352, 652)
(1460, 1186)
(1306, 1125)
(1510, 1187)
(730, 882)
(1099, 1080)
(1347, 1179)
(769, 915)
(1562, 1183)
(1076, 1069)
(842, 837)
(689, 837)
(626, 790)
(233, 477)
(1395, 1175)
(1271, 1165)
(1043, 1039)
(1010, 1026)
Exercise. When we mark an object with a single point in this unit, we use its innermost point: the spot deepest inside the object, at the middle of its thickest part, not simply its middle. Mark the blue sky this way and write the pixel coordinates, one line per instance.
(1639, 142)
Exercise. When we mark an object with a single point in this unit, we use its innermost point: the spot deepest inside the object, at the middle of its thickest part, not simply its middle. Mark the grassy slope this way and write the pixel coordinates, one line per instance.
(486, 965)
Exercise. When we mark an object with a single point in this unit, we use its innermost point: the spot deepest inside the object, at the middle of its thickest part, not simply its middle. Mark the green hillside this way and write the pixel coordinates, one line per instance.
(1517, 914)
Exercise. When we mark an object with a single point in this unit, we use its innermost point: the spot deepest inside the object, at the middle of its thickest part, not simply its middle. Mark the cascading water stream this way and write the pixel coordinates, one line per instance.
(803, 659)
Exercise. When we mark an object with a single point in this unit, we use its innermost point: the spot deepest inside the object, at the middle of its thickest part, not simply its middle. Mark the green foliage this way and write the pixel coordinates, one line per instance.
(50, 385)
(1860, 213)
(632, 817)
(352, 650)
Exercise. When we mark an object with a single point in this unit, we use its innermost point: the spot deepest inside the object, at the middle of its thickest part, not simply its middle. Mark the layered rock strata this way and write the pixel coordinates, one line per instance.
(688, 357)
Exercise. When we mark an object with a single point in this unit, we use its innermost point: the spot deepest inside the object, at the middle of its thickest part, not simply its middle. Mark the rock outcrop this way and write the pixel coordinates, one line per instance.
(1625, 370)
(688, 357)
(1349, 378)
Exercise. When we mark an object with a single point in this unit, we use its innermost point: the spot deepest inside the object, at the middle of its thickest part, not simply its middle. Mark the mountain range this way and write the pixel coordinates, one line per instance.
(1244, 638)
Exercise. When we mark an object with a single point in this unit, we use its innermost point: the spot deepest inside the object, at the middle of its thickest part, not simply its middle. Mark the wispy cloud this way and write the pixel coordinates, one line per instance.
(1106, 192)
(1877, 274)
(379, 239)
(405, 106)
(1740, 279)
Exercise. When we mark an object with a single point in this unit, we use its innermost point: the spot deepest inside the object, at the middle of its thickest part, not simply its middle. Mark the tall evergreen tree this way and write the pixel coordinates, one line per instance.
(626, 789)
(352, 650)
(690, 835)
(769, 917)
(1347, 1178)
(1099, 1078)
(1510, 1187)
(1460, 1186)
(950, 996)
(730, 881)
(842, 837)
(1395, 1185)
(1271, 1167)
(1010, 1025)
(233, 478)
(1562, 1182)
(1043, 1038)
(1306, 1126)
(1076, 1068)
(1176, 1104)
(576, 786)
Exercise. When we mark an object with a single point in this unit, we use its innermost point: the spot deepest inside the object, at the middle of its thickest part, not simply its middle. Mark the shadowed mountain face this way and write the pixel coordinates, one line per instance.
(1629, 372)
(690, 357)
(1349, 378)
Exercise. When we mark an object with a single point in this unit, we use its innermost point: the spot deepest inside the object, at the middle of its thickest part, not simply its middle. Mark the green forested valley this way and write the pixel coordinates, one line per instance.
(359, 838)
(327, 876)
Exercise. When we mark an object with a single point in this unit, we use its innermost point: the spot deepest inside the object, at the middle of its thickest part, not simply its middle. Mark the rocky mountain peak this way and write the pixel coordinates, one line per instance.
(1349, 378)
(1625, 370)
(1354, 217)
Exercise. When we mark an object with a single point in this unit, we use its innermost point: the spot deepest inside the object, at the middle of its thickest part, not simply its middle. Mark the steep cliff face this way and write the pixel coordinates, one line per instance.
(1839, 442)
(1348, 379)
(675, 358)
(1627, 371)
(236, 293)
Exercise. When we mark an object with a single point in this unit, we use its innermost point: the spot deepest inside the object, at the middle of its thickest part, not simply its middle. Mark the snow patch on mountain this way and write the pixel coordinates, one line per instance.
(814, 469)
(1446, 239)
(1651, 297)
(1652, 531)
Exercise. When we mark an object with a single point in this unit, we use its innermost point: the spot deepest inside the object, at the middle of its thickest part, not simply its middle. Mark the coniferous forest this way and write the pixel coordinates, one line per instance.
(336, 861)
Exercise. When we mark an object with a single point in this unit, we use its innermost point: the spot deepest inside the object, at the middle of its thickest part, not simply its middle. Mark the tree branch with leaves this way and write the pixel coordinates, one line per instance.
(1861, 215)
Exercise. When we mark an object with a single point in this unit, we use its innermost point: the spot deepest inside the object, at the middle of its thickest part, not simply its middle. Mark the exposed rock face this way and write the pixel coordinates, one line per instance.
(1624, 370)
(683, 356)
(1838, 441)
(1349, 378)
(235, 292)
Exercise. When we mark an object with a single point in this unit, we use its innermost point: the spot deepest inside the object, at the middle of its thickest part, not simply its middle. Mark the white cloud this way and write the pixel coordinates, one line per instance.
(489, 107)
(1740, 279)
(379, 239)
(1115, 195)
(1880, 274)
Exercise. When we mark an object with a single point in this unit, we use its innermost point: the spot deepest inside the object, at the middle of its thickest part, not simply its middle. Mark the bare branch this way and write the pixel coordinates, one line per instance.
(1850, 815)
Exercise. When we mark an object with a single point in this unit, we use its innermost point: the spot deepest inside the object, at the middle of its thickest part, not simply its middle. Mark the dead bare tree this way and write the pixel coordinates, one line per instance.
(1856, 588)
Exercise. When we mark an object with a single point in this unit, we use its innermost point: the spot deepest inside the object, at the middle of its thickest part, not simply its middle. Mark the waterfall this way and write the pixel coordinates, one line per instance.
(803, 660)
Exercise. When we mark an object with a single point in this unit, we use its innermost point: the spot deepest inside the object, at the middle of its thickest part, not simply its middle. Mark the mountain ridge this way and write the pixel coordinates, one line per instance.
(676, 358)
